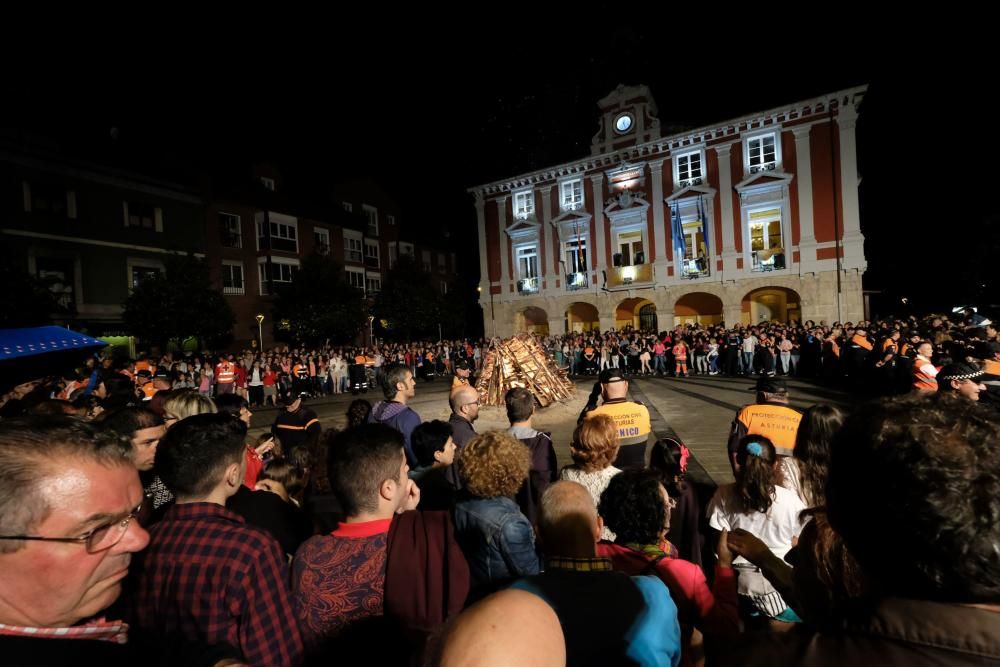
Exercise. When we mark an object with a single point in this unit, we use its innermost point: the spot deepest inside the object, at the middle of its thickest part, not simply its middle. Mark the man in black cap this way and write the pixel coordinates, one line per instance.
(962, 378)
(462, 373)
(770, 417)
(631, 418)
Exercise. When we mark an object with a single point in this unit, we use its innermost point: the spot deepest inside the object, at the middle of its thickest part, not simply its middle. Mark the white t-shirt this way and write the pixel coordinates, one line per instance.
(775, 529)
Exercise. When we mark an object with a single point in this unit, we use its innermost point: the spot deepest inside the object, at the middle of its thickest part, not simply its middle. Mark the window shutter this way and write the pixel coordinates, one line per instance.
(26, 187)
(71, 204)
(125, 211)
(158, 218)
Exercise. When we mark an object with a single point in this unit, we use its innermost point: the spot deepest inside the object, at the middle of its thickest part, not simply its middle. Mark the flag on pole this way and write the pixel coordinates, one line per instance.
(678, 232)
(704, 226)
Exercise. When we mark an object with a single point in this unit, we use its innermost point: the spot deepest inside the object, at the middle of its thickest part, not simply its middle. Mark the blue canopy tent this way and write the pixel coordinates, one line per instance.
(27, 354)
(18, 343)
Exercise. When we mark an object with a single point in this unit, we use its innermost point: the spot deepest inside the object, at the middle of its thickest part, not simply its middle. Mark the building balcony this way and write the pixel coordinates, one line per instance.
(629, 276)
(692, 269)
(233, 291)
(576, 281)
(768, 260)
(527, 285)
(352, 256)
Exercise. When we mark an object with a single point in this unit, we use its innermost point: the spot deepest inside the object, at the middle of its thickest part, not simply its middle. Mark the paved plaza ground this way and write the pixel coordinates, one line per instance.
(698, 409)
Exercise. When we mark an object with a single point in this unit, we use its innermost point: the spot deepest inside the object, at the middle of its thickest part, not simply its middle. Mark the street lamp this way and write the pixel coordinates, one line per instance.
(371, 330)
(260, 330)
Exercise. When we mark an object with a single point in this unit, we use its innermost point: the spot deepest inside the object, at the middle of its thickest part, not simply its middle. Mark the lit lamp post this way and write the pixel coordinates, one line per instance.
(371, 330)
(260, 331)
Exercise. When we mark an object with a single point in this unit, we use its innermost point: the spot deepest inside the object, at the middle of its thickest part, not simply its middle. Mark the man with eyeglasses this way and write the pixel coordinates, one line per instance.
(71, 507)
(464, 403)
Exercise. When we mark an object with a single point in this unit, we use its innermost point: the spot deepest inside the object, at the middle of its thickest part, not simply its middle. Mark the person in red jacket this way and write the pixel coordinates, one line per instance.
(680, 352)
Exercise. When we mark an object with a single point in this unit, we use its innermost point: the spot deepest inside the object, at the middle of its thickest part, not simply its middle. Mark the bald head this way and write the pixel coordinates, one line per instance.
(568, 524)
(463, 400)
(511, 627)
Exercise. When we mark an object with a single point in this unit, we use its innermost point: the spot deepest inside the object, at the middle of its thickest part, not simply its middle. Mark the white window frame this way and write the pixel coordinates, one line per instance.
(643, 241)
(373, 282)
(444, 288)
(425, 260)
(353, 243)
(348, 206)
(229, 265)
(524, 204)
(690, 179)
(142, 262)
(268, 183)
(275, 261)
(157, 217)
(286, 221)
(442, 262)
(527, 251)
(390, 220)
(371, 214)
(239, 227)
(782, 226)
(775, 133)
(354, 271)
(567, 187)
(570, 245)
(369, 245)
(322, 232)
(406, 248)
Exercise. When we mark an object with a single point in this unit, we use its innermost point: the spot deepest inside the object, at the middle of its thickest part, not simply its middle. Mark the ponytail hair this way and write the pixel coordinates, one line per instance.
(758, 473)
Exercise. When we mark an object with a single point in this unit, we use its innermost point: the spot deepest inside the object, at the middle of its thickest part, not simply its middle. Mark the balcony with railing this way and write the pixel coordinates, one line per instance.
(233, 290)
(576, 281)
(692, 269)
(639, 275)
(352, 255)
(527, 285)
(767, 260)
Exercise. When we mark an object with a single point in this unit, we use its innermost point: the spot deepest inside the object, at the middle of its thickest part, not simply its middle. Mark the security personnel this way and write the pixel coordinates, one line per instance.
(462, 373)
(631, 418)
(300, 379)
(225, 376)
(296, 425)
(770, 417)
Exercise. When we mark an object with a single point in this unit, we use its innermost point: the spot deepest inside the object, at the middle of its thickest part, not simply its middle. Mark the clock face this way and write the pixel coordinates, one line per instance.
(623, 123)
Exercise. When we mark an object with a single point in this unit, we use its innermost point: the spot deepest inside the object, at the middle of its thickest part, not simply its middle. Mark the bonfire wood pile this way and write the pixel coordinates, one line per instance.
(521, 362)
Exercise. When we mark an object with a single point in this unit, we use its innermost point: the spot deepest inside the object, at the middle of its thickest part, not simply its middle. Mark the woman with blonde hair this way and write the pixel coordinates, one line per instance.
(497, 539)
(184, 404)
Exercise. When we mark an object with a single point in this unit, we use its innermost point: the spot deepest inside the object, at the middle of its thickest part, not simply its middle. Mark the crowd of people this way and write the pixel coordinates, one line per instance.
(141, 524)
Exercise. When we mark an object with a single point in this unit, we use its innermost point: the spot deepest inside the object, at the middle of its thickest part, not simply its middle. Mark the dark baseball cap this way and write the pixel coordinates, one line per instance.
(770, 385)
(609, 375)
(462, 365)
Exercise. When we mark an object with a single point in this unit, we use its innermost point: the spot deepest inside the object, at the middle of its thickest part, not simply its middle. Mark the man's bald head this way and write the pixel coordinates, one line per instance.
(463, 396)
(613, 390)
(568, 524)
(511, 627)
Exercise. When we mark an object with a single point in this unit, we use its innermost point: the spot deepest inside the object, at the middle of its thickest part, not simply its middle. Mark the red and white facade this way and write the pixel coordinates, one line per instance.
(741, 221)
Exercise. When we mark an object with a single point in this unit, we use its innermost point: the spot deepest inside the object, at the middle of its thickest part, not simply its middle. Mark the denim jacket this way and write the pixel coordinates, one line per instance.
(497, 539)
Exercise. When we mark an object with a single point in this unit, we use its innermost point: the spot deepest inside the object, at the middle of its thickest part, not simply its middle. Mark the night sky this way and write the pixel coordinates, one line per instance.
(429, 114)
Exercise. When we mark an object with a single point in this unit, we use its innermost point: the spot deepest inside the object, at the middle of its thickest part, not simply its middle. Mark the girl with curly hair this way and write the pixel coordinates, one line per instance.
(637, 508)
(497, 539)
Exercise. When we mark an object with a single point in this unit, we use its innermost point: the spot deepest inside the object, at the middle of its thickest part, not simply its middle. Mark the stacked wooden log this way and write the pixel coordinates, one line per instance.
(522, 362)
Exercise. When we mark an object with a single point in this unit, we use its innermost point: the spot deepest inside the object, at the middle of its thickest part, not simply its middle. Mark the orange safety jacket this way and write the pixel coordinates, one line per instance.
(225, 373)
(924, 374)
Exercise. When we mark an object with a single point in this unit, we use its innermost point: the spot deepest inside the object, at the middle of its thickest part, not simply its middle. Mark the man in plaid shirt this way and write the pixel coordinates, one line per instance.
(206, 573)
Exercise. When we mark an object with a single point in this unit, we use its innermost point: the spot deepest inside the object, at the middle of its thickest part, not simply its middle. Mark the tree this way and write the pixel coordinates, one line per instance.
(409, 304)
(319, 304)
(178, 305)
(25, 300)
